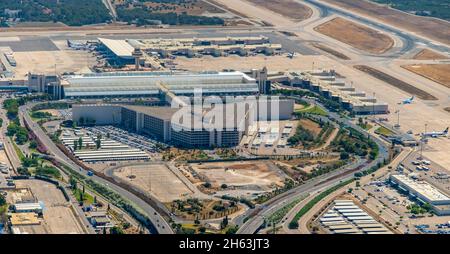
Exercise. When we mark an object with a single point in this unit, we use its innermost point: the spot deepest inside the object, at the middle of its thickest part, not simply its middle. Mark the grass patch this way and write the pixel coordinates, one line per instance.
(87, 199)
(278, 215)
(314, 110)
(383, 131)
(3, 209)
(18, 151)
(294, 223)
(365, 126)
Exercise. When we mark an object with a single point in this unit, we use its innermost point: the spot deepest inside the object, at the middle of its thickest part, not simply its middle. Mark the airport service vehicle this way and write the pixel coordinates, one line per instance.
(435, 134)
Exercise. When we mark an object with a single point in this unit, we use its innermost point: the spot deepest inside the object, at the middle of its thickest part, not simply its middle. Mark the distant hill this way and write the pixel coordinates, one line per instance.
(433, 8)
(87, 12)
(70, 12)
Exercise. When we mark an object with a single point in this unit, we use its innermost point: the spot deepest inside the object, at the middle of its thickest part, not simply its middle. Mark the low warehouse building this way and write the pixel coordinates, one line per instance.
(424, 193)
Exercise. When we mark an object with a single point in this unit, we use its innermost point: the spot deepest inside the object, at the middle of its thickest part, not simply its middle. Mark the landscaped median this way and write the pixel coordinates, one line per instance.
(294, 223)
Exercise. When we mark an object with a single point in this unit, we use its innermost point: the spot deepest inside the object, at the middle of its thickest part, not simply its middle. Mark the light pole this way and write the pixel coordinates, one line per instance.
(398, 118)
(373, 106)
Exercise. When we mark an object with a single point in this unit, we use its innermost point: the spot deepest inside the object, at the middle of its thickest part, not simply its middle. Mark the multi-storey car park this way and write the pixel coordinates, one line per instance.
(161, 122)
(109, 150)
(328, 85)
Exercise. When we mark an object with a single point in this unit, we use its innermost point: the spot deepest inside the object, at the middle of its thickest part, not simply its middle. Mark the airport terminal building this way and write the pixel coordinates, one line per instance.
(147, 84)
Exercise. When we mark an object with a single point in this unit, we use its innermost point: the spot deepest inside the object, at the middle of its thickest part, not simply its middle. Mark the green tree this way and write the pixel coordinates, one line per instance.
(73, 183)
(224, 222)
(293, 225)
(116, 231)
(344, 156)
(80, 142)
(232, 230)
(2, 200)
(33, 144)
(98, 142)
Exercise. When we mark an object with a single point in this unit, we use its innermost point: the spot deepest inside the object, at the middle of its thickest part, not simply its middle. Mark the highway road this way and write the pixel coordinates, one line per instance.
(322, 182)
(157, 220)
(8, 146)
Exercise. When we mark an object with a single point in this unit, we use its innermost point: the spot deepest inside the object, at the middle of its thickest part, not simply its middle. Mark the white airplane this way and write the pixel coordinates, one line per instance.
(435, 134)
(408, 101)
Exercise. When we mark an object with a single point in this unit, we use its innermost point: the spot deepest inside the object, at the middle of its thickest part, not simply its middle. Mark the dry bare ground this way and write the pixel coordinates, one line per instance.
(355, 35)
(427, 54)
(288, 8)
(439, 73)
(432, 28)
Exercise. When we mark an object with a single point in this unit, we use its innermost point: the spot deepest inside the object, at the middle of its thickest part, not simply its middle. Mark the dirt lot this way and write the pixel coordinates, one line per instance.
(358, 36)
(395, 82)
(288, 8)
(255, 13)
(4, 158)
(273, 63)
(330, 51)
(54, 112)
(263, 174)
(157, 179)
(427, 54)
(439, 73)
(310, 125)
(58, 215)
(433, 28)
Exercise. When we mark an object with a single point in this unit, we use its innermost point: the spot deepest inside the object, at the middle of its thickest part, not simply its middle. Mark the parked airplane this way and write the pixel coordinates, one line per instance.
(435, 134)
(408, 101)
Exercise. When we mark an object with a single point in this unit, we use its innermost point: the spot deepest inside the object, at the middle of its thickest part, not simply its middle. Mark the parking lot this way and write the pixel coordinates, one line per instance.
(391, 205)
(270, 138)
(134, 140)
(431, 172)
(5, 168)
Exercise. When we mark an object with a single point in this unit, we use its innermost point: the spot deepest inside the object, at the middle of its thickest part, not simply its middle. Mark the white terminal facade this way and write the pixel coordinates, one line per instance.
(142, 84)
(170, 86)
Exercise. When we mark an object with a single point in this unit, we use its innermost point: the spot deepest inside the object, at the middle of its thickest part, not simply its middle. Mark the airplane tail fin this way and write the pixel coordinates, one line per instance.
(446, 131)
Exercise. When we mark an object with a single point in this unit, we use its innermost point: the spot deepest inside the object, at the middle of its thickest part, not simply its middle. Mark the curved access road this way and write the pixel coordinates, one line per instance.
(253, 224)
(160, 225)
